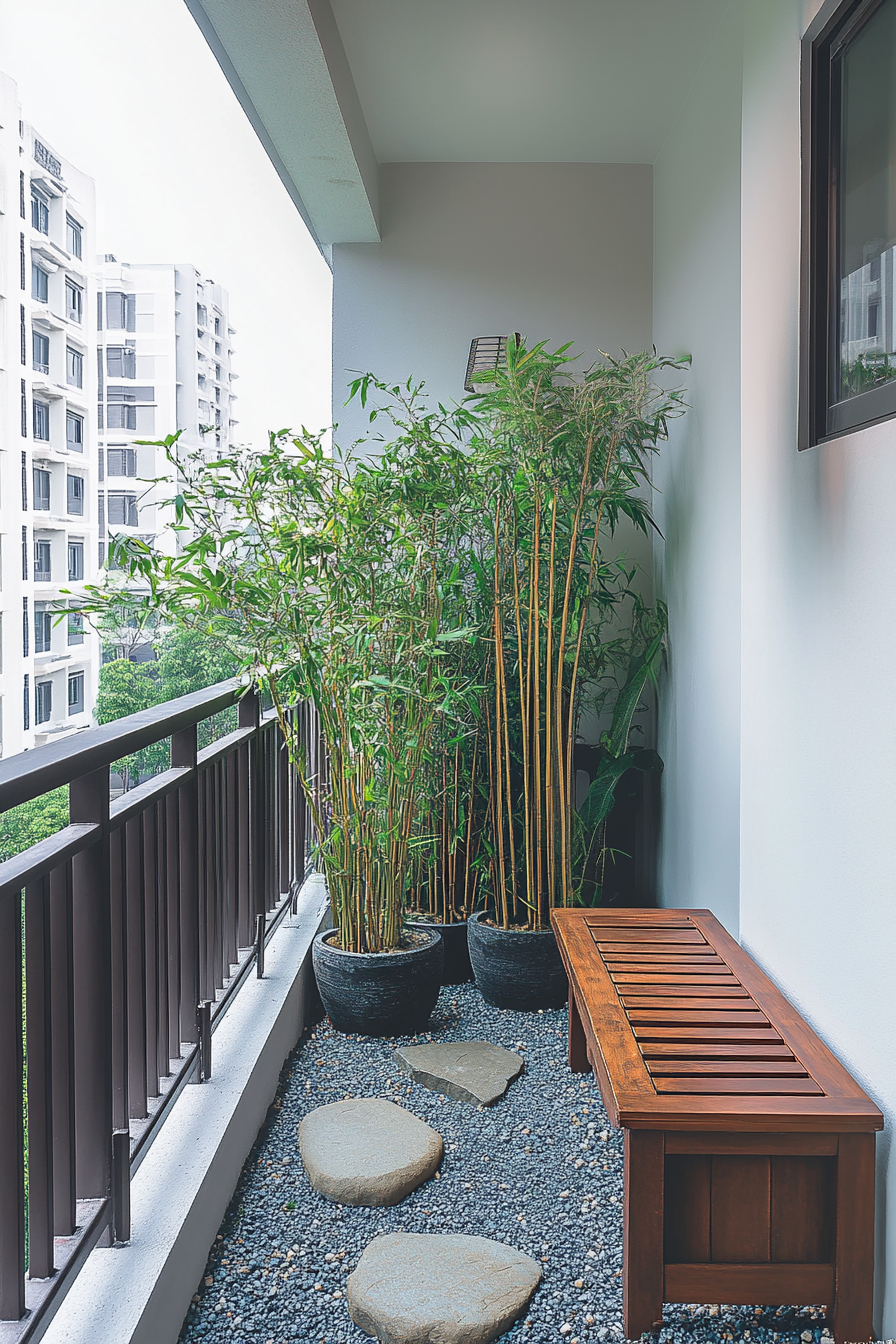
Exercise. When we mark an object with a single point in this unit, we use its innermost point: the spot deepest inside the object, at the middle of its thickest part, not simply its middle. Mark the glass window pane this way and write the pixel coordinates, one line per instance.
(867, 206)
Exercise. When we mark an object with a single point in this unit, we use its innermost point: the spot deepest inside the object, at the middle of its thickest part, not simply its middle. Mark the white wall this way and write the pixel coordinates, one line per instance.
(554, 251)
(779, 730)
(818, 755)
(697, 312)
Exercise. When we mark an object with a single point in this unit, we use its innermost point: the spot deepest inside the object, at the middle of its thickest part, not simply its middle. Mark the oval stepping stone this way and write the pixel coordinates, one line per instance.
(412, 1286)
(367, 1151)
(474, 1071)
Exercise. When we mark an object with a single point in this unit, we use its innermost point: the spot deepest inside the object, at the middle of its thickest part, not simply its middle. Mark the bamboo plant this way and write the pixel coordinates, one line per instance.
(319, 569)
(563, 459)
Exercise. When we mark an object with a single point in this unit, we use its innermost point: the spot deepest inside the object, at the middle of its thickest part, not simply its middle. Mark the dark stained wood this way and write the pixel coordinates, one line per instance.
(578, 1045)
(741, 1201)
(815, 1145)
(706, 1068)
(642, 1256)
(749, 1148)
(727, 1083)
(687, 1208)
(652, 1050)
(749, 1283)
(854, 1234)
(802, 1217)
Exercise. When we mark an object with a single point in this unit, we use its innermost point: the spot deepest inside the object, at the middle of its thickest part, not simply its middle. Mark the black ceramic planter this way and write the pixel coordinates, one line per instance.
(378, 993)
(516, 970)
(457, 969)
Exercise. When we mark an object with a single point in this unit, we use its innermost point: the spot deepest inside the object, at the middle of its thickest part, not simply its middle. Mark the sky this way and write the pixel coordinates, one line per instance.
(128, 91)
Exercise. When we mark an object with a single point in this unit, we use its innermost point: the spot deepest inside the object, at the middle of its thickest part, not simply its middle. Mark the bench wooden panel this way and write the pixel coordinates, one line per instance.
(749, 1147)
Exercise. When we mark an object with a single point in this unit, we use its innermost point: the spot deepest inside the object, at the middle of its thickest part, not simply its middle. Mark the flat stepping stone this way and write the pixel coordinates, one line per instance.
(412, 1286)
(367, 1151)
(474, 1071)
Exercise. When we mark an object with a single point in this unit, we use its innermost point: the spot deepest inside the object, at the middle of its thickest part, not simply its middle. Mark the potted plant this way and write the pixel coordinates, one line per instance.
(318, 569)
(562, 459)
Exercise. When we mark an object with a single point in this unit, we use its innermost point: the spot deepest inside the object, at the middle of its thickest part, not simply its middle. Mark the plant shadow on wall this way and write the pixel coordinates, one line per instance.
(448, 596)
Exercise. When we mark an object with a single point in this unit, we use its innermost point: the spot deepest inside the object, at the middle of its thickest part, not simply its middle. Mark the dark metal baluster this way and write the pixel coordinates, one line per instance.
(89, 802)
(163, 1029)
(183, 754)
(63, 1033)
(172, 864)
(39, 1075)
(217, 887)
(244, 924)
(118, 928)
(248, 718)
(12, 1129)
(137, 969)
(206, 932)
(231, 837)
(151, 951)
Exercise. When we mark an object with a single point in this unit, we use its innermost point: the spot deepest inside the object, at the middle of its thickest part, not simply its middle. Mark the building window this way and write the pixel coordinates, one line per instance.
(76, 560)
(23, 397)
(23, 334)
(26, 629)
(121, 461)
(42, 570)
(74, 367)
(39, 283)
(74, 301)
(76, 692)
(121, 417)
(848, 336)
(73, 236)
(41, 417)
(43, 701)
(40, 352)
(121, 362)
(43, 630)
(40, 211)
(74, 432)
(75, 495)
(121, 311)
(202, 314)
(24, 552)
(75, 628)
(217, 326)
(26, 707)
(122, 508)
(40, 486)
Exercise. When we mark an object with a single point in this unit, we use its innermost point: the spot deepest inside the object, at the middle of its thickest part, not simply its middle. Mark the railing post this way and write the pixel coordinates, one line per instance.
(63, 1027)
(92, 970)
(250, 717)
(39, 1091)
(204, 1034)
(183, 755)
(260, 923)
(121, 1187)
(12, 1130)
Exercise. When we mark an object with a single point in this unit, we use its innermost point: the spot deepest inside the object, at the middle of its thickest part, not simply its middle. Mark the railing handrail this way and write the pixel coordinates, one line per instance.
(29, 774)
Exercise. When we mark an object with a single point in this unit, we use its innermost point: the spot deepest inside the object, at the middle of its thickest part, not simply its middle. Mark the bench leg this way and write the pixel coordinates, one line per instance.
(642, 1254)
(854, 1254)
(578, 1048)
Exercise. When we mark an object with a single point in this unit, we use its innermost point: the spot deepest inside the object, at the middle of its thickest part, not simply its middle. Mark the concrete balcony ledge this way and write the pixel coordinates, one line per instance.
(139, 1294)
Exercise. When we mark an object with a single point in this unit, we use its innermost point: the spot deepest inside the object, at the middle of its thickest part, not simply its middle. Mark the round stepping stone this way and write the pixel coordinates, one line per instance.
(411, 1286)
(474, 1071)
(367, 1151)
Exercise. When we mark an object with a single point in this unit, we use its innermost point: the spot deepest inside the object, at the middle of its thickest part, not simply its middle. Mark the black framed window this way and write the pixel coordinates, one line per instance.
(75, 495)
(76, 692)
(43, 701)
(43, 630)
(42, 564)
(40, 352)
(40, 486)
(74, 431)
(75, 627)
(74, 367)
(73, 232)
(76, 560)
(39, 283)
(848, 337)
(41, 418)
(74, 301)
(40, 211)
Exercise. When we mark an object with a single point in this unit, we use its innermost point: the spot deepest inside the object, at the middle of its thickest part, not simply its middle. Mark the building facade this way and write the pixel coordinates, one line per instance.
(164, 350)
(48, 464)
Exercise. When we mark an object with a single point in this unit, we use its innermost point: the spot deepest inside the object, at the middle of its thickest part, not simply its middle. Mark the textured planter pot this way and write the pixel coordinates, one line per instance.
(516, 970)
(457, 969)
(378, 993)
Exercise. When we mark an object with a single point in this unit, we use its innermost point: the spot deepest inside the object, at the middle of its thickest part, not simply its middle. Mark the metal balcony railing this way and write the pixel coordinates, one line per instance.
(122, 940)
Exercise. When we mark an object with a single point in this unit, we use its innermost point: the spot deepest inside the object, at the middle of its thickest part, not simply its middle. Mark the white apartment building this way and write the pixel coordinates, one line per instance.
(48, 462)
(164, 350)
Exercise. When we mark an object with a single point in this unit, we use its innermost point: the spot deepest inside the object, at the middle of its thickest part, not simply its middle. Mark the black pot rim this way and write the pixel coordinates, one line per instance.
(478, 915)
(417, 922)
(379, 958)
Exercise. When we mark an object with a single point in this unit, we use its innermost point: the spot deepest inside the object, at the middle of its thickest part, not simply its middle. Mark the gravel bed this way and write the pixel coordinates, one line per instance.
(541, 1170)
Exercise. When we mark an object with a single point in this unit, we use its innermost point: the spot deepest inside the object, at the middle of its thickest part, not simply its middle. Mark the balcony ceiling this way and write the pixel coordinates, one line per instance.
(336, 87)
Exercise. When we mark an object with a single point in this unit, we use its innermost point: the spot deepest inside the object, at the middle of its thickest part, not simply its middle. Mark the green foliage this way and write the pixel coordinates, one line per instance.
(29, 823)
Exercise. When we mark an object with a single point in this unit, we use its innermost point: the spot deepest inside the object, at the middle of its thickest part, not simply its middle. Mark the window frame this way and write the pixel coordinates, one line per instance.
(41, 339)
(40, 476)
(43, 702)
(76, 706)
(74, 418)
(43, 630)
(74, 291)
(821, 419)
(75, 494)
(42, 547)
(74, 231)
(40, 207)
(37, 270)
(75, 551)
(40, 411)
(74, 367)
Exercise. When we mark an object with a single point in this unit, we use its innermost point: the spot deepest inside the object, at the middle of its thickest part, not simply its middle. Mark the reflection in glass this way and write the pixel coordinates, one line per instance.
(867, 205)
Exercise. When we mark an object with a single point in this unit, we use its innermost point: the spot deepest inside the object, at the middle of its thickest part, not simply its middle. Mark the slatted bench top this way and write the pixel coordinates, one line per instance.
(685, 1032)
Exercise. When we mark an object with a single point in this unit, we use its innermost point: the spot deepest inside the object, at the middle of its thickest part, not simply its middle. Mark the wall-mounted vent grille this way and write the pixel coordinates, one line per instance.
(486, 354)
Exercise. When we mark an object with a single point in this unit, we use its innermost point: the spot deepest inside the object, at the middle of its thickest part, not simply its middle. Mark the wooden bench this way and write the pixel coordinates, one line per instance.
(749, 1149)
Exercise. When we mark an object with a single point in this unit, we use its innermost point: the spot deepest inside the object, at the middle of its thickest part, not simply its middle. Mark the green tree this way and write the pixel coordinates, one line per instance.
(127, 688)
(32, 822)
